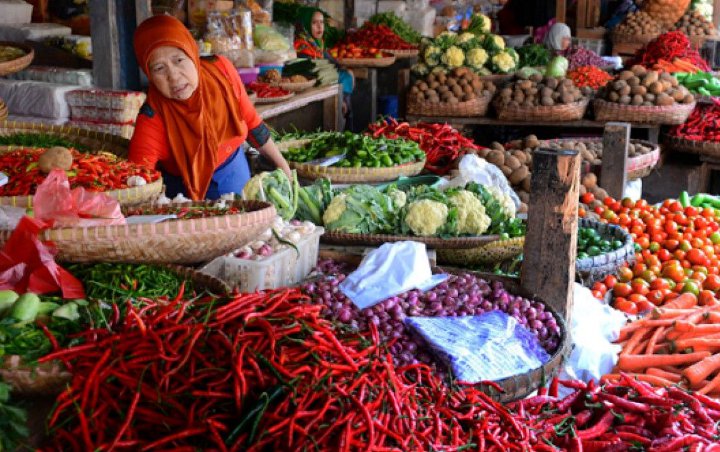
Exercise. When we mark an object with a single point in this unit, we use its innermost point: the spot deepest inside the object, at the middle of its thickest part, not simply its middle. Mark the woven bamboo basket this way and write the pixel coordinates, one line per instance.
(273, 100)
(706, 148)
(520, 386)
(296, 87)
(18, 64)
(357, 175)
(399, 54)
(180, 241)
(633, 39)
(498, 79)
(367, 62)
(592, 269)
(342, 238)
(491, 253)
(564, 112)
(471, 108)
(3, 111)
(611, 111)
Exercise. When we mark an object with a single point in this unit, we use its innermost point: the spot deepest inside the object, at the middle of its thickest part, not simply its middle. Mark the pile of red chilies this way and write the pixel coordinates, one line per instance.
(442, 143)
(265, 91)
(378, 37)
(264, 372)
(703, 124)
(668, 46)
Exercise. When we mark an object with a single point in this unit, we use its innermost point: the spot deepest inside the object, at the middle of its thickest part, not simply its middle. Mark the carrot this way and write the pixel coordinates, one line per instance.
(711, 386)
(683, 301)
(700, 370)
(665, 313)
(704, 329)
(652, 379)
(640, 362)
(683, 326)
(669, 376)
(656, 336)
(697, 341)
(634, 340)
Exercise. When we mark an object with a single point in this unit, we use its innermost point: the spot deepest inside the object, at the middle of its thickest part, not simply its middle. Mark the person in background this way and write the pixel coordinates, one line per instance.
(310, 43)
(197, 117)
(558, 38)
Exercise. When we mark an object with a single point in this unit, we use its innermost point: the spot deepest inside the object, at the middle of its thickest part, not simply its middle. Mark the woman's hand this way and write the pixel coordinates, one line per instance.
(272, 153)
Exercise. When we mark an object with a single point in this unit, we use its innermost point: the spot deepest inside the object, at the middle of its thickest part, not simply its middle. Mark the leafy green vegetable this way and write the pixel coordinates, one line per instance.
(360, 209)
(397, 25)
(533, 55)
(13, 422)
(312, 201)
(276, 188)
(557, 67)
(41, 140)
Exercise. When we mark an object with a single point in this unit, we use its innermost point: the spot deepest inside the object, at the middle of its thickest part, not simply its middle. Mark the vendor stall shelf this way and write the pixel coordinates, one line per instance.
(328, 96)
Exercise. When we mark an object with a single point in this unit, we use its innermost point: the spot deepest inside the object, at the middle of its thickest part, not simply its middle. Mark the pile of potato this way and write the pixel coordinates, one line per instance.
(639, 23)
(592, 151)
(692, 23)
(665, 12)
(537, 91)
(642, 87)
(459, 85)
(588, 183)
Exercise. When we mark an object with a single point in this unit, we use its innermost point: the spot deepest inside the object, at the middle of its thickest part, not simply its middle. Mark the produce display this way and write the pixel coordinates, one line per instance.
(638, 23)
(641, 87)
(13, 421)
(533, 55)
(442, 143)
(579, 56)
(538, 91)
(375, 36)
(26, 169)
(589, 77)
(515, 164)
(270, 77)
(670, 47)
(276, 188)
(9, 53)
(591, 243)
(702, 83)
(267, 91)
(350, 51)
(359, 150)
(184, 212)
(281, 236)
(397, 25)
(693, 23)
(666, 12)
(321, 70)
(702, 125)
(592, 151)
(458, 85)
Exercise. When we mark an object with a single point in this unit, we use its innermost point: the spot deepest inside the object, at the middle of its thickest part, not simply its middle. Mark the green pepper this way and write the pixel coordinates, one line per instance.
(684, 199)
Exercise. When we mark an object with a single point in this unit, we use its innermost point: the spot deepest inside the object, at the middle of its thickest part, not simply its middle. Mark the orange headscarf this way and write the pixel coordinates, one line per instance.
(198, 125)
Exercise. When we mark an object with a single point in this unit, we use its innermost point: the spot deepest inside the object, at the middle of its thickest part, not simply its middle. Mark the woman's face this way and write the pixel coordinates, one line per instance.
(565, 43)
(173, 73)
(317, 26)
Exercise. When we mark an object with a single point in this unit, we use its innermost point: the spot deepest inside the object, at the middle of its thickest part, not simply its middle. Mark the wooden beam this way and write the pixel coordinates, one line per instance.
(560, 10)
(548, 268)
(402, 90)
(105, 42)
(716, 13)
(332, 111)
(580, 14)
(616, 140)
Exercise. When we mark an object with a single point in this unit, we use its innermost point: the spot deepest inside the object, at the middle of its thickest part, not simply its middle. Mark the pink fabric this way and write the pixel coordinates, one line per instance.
(541, 32)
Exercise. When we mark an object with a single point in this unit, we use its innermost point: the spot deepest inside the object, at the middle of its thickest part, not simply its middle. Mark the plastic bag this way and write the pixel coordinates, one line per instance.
(10, 217)
(55, 203)
(474, 169)
(267, 38)
(483, 347)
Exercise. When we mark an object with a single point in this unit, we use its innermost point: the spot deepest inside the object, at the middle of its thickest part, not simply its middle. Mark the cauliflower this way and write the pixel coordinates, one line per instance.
(446, 39)
(476, 58)
(398, 197)
(506, 203)
(426, 217)
(360, 209)
(465, 37)
(432, 55)
(438, 69)
(503, 62)
(499, 41)
(420, 69)
(335, 209)
(479, 24)
(471, 217)
(453, 57)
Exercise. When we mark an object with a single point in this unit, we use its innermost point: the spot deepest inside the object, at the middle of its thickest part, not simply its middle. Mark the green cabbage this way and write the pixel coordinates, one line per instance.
(557, 67)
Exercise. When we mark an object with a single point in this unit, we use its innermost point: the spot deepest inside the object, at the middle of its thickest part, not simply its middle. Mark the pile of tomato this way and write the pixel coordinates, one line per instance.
(352, 51)
(677, 251)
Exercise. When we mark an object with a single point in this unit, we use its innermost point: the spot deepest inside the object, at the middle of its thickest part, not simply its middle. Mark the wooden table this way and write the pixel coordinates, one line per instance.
(331, 99)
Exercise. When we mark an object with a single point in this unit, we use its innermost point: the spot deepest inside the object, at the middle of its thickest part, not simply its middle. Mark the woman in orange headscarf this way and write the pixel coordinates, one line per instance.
(197, 116)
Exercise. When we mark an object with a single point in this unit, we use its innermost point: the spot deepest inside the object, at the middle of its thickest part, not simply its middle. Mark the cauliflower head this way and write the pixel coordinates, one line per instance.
(464, 38)
(498, 41)
(335, 209)
(432, 55)
(481, 22)
(420, 69)
(254, 187)
(398, 197)
(453, 57)
(471, 217)
(503, 62)
(426, 217)
(446, 39)
(506, 203)
(476, 58)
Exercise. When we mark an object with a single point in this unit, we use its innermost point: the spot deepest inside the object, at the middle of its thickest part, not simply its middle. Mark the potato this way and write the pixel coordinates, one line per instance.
(663, 100)
(483, 152)
(638, 70)
(625, 100)
(506, 171)
(625, 91)
(613, 96)
(638, 90)
(589, 180)
(656, 88)
(518, 175)
(547, 102)
(526, 183)
(587, 155)
(520, 156)
(634, 81)
(531, 141)
(498, 146)
(636, 100)
(625, 75)
(650, 78)
(512, 162)
(688, 99)
(619, 85)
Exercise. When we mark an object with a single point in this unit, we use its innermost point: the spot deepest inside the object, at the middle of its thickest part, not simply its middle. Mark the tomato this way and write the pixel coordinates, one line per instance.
(581, 212)
(648, 275)
(587, 198)
(715, 238)
(691, 211)
(697, 257)
(692, 287)
(675, 206)
(659, 284)
(671, 244)
(625, 274)
(664, 255)
(638, 268)
(640, 286)
(685, 245)
(700, 223)
(608, 215)
(608, 201)
(641, 204)
(644, 305)
(622, 290)
(656, 297)
(675, 273)
(598, 210)
(644, 242)
(712, 282)
(699, 277)
(679, 255)
(610, 281)
(706, 298)
(600, 287)
(597, 294)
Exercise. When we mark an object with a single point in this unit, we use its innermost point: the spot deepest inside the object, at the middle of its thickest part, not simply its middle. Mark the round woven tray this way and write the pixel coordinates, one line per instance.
(407, 53)
(707, 148)
(3, 111)
(367, 62)
(520, 386)
(611, 111)
(297, 86)
(272, 100)
(475, 107)
(564, 112)
(491, 253)
(170, 242)
(342, 238)
(633, 39)
(592, 269)
(18, 64)
(357, 175)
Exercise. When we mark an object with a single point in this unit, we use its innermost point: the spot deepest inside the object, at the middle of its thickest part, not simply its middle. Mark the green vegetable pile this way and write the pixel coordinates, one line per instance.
(313, 200)
(40, 140)
(274, 187)
(702, 83)
(590, 243)
(13, 422)
(397, 25)
(360, 150)
(533, 55)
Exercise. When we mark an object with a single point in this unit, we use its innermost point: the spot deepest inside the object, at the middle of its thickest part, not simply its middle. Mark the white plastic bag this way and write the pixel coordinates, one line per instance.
(474, 169)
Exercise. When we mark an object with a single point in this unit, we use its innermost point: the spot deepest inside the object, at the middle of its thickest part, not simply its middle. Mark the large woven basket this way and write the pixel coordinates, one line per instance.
(564, 112)
(706, 148)
(3, 111)
(273, 100)
(367, 62)
(406, 53)
(520, 386)
(18, 64)
(297, 86)
(633, 39)
(187, 241)
(490, 253)
(612, 111)
(592, 269)
(498, 79)
(357, 175)
(342, 238)
(471, 108)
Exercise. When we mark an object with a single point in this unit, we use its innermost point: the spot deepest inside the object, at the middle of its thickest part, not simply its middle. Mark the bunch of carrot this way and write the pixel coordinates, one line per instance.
(676, 65)
(677, 344)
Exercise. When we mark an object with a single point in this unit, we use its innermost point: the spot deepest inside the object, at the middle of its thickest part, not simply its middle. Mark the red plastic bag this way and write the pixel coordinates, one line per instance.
(27, 265)
(58, 205)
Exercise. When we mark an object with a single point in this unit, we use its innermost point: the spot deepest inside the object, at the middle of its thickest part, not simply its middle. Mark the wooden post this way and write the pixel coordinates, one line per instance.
(402, 90)
(105, 41)
(581, 14)
(332, 111)
(560, 10)
(716, 13)
(616, 140)
(548, 268)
